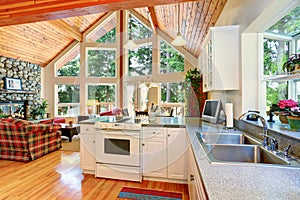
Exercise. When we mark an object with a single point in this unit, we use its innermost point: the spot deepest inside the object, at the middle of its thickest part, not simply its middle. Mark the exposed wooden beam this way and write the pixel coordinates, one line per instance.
(153, 19)
(14, 12)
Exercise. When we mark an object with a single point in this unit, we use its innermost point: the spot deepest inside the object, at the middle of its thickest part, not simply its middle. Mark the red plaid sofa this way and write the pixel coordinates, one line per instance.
(22, 140)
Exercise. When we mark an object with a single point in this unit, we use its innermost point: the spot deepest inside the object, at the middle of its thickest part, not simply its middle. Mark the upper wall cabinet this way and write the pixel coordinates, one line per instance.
(220, 59)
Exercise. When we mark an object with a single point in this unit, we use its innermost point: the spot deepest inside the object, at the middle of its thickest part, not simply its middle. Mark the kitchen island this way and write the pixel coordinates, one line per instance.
(233, 181)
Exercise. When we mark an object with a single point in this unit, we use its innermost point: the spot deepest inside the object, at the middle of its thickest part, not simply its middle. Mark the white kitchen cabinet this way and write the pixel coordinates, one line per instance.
(164, 153)
(87, 149)
(177, 153)
(220, 59)
(154, 152)
(195, 183)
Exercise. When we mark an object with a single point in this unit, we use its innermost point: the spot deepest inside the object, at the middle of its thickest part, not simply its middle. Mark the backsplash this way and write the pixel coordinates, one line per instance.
(283, 140)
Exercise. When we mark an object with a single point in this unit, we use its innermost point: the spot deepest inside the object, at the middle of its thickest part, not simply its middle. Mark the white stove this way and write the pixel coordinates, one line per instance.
(118, 149)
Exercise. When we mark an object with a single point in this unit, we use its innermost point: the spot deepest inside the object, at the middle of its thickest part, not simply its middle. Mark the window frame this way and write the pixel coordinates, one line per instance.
(291, 83)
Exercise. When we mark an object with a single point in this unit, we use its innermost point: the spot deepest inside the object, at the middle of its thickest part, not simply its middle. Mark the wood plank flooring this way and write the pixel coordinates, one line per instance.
(58, 176)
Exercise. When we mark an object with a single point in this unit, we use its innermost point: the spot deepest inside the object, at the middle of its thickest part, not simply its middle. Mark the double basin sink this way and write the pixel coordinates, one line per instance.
(236, 148)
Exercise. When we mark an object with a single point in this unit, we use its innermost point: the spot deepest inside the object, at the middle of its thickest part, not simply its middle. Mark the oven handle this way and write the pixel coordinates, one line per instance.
(118, 132)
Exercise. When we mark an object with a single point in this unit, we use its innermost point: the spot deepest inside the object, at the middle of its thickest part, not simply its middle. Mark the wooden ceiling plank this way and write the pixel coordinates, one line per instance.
(205, 24)
(216, 13)
(29, 46)
(38, 35)
(17, 52)
(25, 39)
(48, 32)
(193, 28)
(65, 28)
(153, 19)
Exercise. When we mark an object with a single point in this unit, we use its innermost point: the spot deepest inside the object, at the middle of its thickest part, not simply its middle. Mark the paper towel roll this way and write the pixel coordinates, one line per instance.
(229, 115)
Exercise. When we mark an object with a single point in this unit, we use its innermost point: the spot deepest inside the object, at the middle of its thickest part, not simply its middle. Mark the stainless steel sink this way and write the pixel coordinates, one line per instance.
(242, 153)
(225, 138)
(237, 148)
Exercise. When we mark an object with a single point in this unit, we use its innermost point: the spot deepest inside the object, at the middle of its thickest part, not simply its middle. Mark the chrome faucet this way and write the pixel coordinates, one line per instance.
(265, 142)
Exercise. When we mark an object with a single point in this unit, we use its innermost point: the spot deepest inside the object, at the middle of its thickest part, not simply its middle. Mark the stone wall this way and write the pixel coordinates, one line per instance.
(29, 73)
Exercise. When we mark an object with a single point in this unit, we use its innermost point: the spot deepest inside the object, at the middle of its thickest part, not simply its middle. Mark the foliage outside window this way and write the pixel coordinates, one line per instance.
(140, 61)
(288, 25)
(68, 100)
(69, 65)
(101, 63)
(276, 90)
(104, 94)
(109, 37)
(170, 59)
(72, 68)
(137, 30)
(276, 52)
(172, 92)
(106, 33)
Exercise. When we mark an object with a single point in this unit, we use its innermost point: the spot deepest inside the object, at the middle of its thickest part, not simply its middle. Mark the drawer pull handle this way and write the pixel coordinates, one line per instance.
(192, 177)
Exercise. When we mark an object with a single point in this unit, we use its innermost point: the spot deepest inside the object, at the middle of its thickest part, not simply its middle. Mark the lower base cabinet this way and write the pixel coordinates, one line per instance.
(195, 184)
(164, 153)
(87, 149)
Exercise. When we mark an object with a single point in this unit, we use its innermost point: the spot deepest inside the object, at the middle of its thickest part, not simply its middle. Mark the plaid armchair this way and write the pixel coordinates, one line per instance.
(22, 140)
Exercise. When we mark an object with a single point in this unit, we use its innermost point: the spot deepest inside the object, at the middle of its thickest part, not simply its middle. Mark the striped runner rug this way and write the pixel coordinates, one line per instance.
(141, 194)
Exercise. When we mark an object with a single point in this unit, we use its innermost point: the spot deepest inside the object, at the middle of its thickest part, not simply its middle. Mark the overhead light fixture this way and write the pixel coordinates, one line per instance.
(130, 43)
(178, 41)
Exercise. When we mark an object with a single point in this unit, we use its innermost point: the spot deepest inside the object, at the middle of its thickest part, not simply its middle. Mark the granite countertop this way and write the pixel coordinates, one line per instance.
(233, 181)
(171, 122)
(225, 181)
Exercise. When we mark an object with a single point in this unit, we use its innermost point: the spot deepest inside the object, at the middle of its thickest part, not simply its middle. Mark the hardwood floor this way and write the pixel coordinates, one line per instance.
(58, 176)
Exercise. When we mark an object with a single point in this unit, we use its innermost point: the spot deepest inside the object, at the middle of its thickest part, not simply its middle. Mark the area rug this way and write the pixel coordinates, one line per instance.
(141, 194)
(70, 146)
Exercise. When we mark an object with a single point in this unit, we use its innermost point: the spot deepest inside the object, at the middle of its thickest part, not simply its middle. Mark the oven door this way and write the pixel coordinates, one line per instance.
(118, 147)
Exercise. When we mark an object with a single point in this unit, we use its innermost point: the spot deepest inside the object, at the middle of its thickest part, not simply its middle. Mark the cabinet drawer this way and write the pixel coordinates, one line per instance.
(87, 129)
(155, 131)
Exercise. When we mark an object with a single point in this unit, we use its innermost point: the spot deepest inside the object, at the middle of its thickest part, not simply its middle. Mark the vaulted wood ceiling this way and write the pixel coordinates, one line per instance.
(38, 30)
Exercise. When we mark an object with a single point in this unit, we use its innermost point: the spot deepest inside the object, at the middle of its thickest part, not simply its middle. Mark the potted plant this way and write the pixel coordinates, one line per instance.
(292, 64)
(39, 111)
(194, 92)
(289, 112)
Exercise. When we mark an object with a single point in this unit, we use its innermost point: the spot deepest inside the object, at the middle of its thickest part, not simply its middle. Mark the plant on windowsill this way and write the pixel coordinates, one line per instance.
(288, 111)
(293, 64)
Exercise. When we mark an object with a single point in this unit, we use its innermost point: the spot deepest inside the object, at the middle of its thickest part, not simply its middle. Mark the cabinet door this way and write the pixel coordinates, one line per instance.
(220, 59)
(177, 153)
(87, 152)
(195, 184)
(154, 152)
